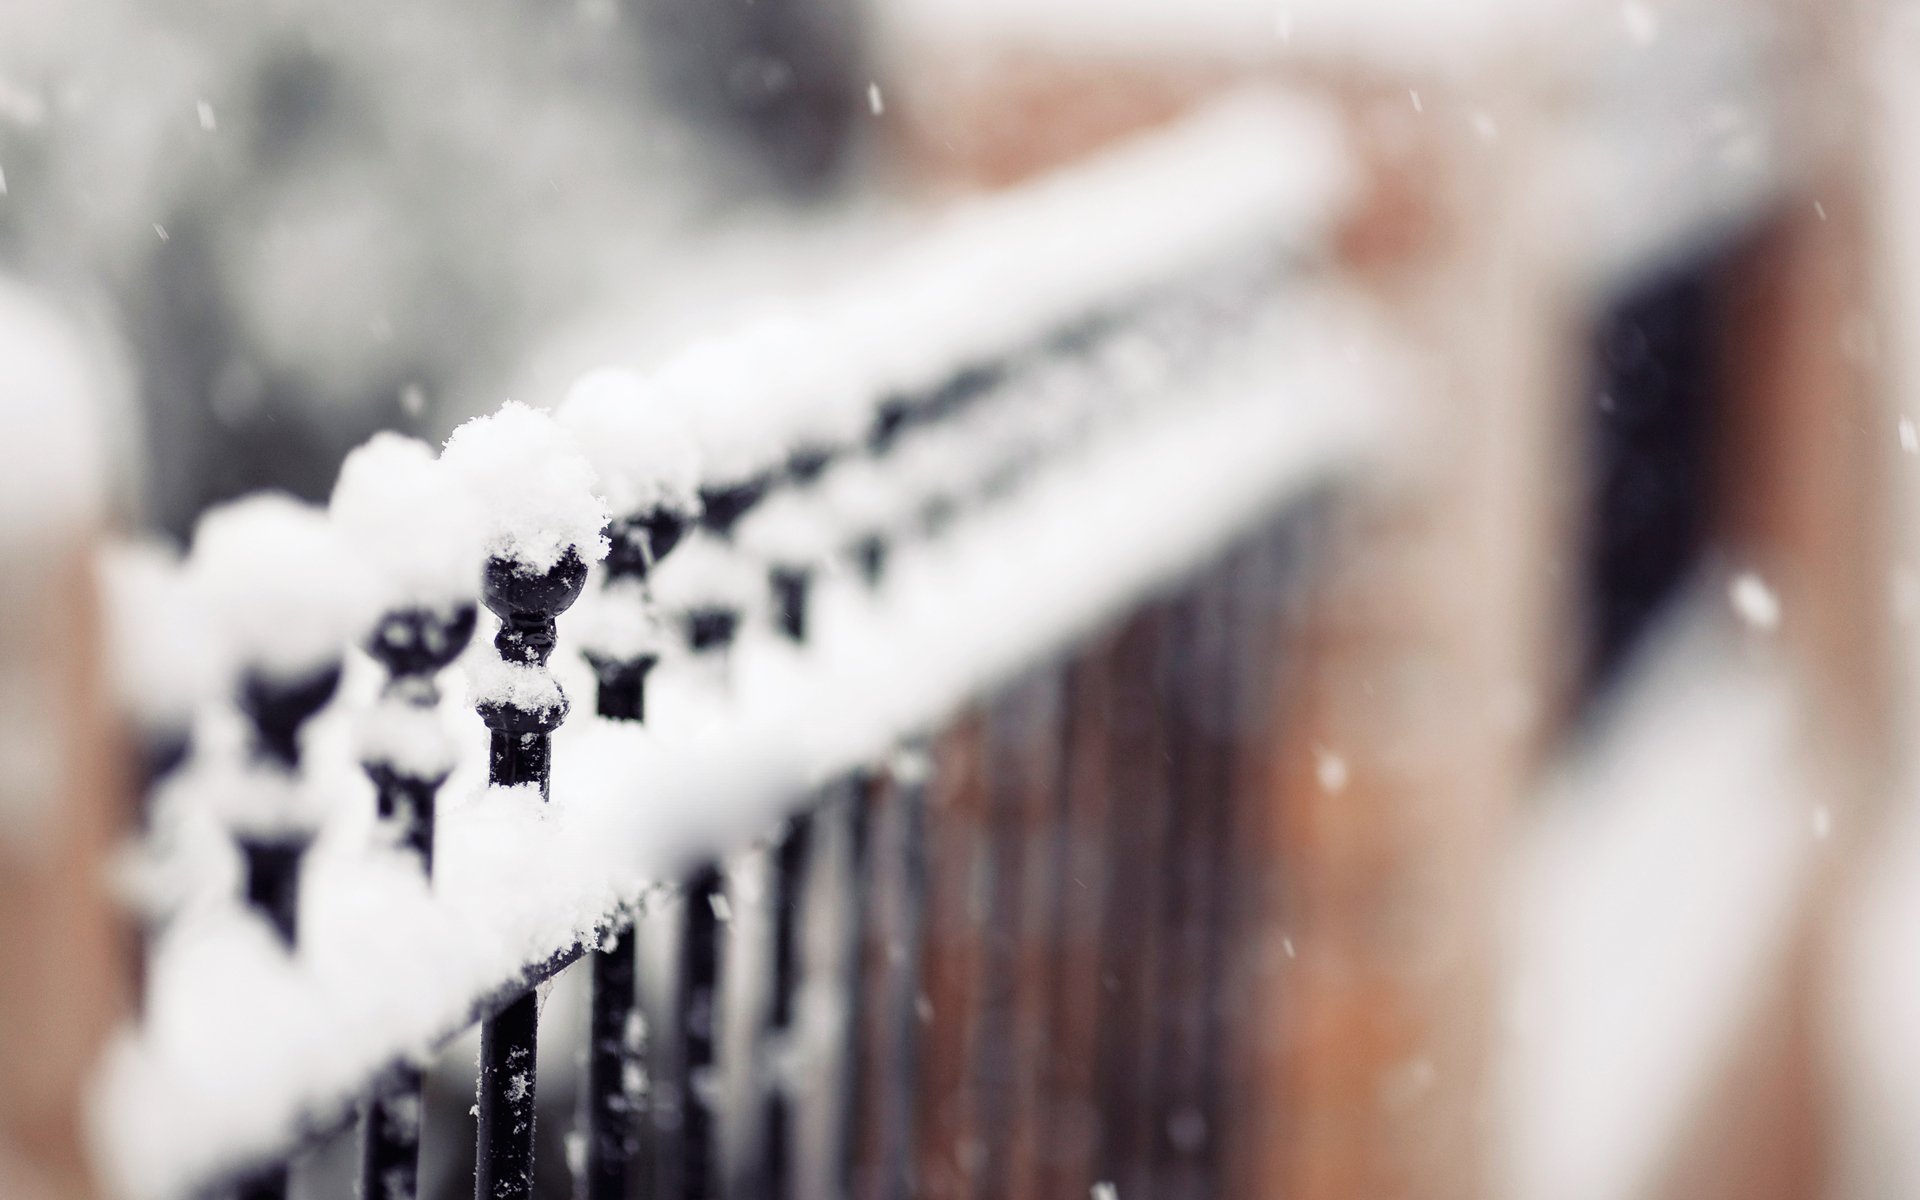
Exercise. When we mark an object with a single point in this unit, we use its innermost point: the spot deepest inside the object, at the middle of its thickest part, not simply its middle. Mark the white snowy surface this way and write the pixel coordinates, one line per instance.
(640, 447)
(411, 738)
(525, 686)
(617, 619)
(1654, 890)
(707, 571)
(1426, 35)
(287, 591)
(165, 654)
(419, 529)
(534, 487)
(1256, 171)
(242, 1044)
(56, 391)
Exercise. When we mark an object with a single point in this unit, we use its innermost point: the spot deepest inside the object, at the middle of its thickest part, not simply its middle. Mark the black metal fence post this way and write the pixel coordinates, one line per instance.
(699, 1015)
(413, 644)
(527, 603)
(271, 857)
(792, 856)
(615, 1104)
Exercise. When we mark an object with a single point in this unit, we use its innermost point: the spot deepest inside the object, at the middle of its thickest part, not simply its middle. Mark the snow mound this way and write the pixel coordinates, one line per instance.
(400, 508)
(638, 444)
(286, 590)
(534, 487)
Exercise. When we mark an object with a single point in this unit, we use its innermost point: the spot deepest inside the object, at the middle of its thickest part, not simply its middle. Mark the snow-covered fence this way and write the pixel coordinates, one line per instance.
(773, 560)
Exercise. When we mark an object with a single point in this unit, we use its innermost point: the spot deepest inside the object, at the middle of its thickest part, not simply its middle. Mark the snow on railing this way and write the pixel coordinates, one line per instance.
(769, 562)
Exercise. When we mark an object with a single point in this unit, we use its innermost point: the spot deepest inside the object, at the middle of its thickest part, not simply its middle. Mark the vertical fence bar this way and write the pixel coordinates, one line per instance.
(617, 1113)
(1024, 769)
(1070, 1123)
(859, 903)
(1130, 951)
(1197, 790)
(413, 644)
(613, 1127)
(792, 857)
(271, 860)
(882, 1114)
(520, 753)
(945, 1152)
(699, 1026)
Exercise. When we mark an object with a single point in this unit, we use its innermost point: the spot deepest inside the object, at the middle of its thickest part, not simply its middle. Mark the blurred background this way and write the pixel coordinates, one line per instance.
(1596, 810)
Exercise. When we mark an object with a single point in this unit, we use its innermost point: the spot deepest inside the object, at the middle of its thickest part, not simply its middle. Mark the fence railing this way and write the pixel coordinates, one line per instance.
(724, 603)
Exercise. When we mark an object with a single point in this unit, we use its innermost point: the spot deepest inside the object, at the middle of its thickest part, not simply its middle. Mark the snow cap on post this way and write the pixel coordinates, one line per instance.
(639, 445)
(710, 586)
(166, 656)
(648, 466)
(418, 528)
(534, 487)
(286, 590)
(815, 404)
(719, 387)
(544, 524)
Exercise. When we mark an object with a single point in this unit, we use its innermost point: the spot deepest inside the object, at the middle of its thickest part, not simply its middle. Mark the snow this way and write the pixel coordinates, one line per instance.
(284, 588)
(1754, 602)
(857, 493)
(162, 647)
(720, 387)
(524, 686)
(1656, 886)
(640, 447)
(618, 621)
(792, 529)
(416, 525)
(54, 393)
(706, 571)
(259, 801)
(412, 739)
(1158, 460)
(243, 1043)
(1256, 171)
(534, 487)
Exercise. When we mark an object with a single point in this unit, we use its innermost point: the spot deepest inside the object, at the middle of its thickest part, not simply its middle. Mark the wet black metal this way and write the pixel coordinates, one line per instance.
(267, 1184)
(613, 1099)
(278, 708)
(504, 1167)
(790, 592)
(698, 1015)
(792, 856)
(413, 644)
(390, 1145)
(527, 604)
(859, 900)
(273, 881)
(712, 628)
(622, 693)
(723, 506)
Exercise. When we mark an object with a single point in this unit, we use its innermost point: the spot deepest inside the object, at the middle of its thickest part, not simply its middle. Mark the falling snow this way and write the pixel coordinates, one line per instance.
(1754, 602)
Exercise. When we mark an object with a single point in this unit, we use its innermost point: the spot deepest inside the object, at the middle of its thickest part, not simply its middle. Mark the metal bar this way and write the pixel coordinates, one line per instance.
(1131, 948)
(527, 604)
(1070, 1123)
(613, 1097)
(390, 1145)
(863, 981)
(1024, 773)
(699, 1019)
(945, 1149)
(791, 858)
(504, 1166)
